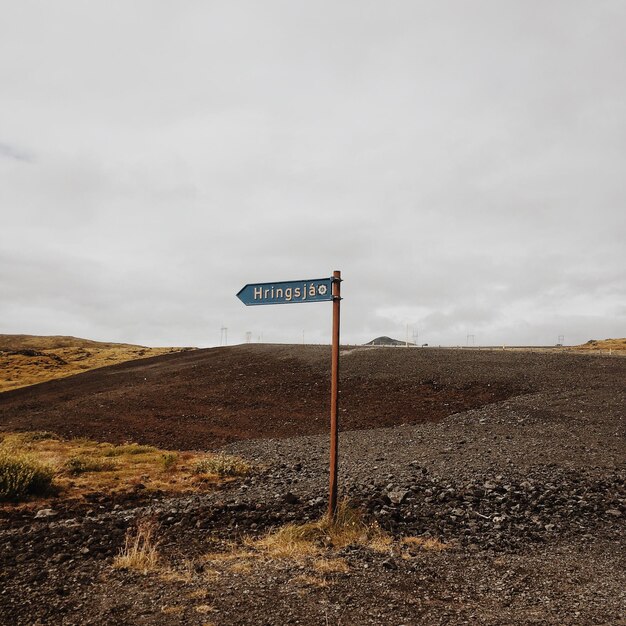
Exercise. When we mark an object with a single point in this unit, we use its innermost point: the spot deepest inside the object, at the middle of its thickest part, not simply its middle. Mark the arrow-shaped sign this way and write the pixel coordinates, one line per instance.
(317, 290)
(287, 292)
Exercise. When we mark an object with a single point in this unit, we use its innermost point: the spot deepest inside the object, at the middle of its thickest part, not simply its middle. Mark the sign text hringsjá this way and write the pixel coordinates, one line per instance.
(287, 292)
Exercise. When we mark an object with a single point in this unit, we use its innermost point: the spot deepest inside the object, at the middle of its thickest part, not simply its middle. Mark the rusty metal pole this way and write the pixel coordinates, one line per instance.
(334, 398)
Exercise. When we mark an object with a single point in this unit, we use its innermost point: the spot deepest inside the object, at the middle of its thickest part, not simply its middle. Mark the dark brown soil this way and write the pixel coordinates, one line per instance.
(515, 461)
(205, 398)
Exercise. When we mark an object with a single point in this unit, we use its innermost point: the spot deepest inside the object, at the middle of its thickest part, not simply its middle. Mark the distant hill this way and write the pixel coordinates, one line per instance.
(52, 342)
(603, 344)
(30, 359)
(387, 341)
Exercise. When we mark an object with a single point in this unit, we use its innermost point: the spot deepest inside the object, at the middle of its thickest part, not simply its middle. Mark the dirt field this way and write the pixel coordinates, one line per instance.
(496, 481)
(205, 398)
(30, 359)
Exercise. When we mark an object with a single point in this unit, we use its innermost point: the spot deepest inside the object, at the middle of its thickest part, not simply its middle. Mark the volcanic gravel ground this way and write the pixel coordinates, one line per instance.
(527, 492)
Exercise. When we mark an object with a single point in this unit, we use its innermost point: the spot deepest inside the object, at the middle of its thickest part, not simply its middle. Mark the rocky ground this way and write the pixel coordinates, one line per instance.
(525, 496)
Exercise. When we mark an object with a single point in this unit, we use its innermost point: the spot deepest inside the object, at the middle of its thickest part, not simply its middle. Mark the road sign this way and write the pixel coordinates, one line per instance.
(287, 292)
(318, 290)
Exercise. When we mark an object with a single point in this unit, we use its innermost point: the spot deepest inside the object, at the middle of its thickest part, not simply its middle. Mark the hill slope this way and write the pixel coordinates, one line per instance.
(30, 359)
(54, 342)
(204, 398)
(387, 341)
(603, 345)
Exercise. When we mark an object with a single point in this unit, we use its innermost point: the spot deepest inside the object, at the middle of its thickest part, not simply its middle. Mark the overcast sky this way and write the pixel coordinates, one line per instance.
(461, 162)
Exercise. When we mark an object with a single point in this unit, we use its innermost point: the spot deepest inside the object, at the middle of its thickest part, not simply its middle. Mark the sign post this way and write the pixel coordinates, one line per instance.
(334, 398)
(299, 291)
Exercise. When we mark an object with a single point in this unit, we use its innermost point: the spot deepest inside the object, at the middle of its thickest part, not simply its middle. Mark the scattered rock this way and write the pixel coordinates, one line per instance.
(291, 498)
(398, 497)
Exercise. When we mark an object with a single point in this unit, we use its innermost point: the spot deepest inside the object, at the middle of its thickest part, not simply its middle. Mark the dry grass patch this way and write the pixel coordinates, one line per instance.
(171, 610)
(169, 461)
(309, 581)
(76, 465)
(424, 543)
(232, 556)
(241, 567)
(222, 465)
(174, 576)
(140, 551)
(126, 449)
(314, 545)
(380, 543)
(81, 466)
(303, 540)
(310, 544)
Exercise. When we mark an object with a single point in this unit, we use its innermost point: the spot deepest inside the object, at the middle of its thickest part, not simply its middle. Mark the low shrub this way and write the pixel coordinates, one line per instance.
(21, 476)
(222, 465)
(25, 442)
(169, 460)
(79, 465)
(130, 448)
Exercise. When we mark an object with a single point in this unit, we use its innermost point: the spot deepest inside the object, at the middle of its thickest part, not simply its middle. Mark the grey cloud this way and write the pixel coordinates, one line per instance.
(461, 163)
(11, 152)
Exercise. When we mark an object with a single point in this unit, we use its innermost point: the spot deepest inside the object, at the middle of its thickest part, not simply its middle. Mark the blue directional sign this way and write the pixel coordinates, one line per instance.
(287, 292)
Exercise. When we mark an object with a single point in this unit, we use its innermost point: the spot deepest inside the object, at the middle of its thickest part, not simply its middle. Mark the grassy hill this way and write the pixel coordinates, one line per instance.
(53, 342)
(603, 344)
(30, 359)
